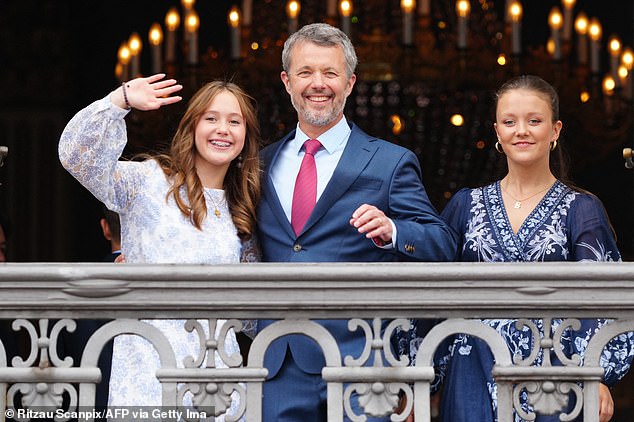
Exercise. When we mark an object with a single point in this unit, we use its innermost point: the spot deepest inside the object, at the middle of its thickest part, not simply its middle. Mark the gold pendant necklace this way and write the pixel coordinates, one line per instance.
(215, 204)
(518, 202)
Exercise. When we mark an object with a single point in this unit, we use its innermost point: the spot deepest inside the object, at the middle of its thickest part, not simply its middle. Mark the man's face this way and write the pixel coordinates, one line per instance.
(318, 85)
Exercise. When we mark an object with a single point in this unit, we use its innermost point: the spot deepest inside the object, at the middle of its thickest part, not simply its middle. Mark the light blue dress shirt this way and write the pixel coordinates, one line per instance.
(284, 172)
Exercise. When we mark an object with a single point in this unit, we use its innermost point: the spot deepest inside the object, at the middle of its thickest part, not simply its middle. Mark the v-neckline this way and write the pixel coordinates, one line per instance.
(498, 187)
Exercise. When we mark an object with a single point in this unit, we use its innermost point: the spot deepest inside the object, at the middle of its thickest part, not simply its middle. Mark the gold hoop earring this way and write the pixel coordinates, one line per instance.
(553, 145)
(498, 147)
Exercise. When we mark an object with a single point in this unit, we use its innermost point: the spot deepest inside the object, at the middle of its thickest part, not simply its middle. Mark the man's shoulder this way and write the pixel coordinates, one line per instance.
(384, 145)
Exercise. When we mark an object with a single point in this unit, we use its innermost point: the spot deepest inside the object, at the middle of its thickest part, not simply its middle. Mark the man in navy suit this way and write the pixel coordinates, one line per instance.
(370, 206)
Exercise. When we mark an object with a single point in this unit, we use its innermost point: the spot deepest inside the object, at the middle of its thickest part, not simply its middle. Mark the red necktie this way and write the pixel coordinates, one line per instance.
(305, 193)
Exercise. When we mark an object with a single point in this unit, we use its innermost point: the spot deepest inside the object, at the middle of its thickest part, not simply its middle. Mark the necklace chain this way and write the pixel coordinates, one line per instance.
(215, 204)
(518, 202)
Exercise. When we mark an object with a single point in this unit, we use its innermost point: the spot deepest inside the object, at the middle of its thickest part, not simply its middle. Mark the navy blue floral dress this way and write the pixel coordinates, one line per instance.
(565, 226)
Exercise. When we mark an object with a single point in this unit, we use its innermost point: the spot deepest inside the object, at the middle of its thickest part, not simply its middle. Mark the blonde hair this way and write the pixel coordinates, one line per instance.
(241, 185)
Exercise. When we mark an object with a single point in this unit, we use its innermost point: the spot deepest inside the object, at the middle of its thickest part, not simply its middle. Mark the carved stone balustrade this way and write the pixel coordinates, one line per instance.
(45, 299)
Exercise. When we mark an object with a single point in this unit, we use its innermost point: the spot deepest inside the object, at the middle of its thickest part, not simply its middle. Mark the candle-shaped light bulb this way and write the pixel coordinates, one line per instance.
(293, 8)
(555, 20)
(614, 47)
(345, 9)
(608, 85)
(234, 18)
(463, 9)
(515, 10)
(407, 6)
(188, 4)
(172, 21)
(627, 59)
(123, 54)
(596, 33)
(581, 27)
(155, 38)
(135, 44)
(191, 27)
(568, 7)
(234, 24)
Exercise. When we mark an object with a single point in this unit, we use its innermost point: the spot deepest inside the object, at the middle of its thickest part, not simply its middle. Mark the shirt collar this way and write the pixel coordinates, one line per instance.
(333, 139)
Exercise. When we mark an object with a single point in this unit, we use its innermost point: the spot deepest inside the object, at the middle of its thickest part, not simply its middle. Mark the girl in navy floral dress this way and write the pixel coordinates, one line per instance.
(529, 215)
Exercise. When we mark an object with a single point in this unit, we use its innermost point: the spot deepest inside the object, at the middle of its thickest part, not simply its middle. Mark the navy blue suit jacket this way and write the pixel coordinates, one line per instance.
(371, 171)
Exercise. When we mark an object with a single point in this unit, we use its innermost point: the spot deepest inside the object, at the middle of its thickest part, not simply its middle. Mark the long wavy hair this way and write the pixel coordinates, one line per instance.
(242, 181)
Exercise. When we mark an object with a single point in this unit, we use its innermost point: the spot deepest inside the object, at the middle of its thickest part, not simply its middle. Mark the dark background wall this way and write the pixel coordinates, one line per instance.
(58, 56)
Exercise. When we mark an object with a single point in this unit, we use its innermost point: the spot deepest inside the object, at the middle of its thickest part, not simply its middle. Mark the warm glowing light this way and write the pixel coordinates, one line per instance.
(124, 53)
(118, 70)
(397, 124)
(292, 9)
(584, 96)
(457, 120)
(255, 46)
(502, 60)
(134, 43)
(614, 45)
(608, 85)
(408, 6)
(581, 24)
(627, 58)
(172, 19)
(555, 19)
(345, 7)
(463, 8)
(516, 11)
(480, 144)
(569, 4)
(234, 17)
(192, 22)
(623, 72)
(188, 4)
(155, 36)
(595, 30)
(550, 46)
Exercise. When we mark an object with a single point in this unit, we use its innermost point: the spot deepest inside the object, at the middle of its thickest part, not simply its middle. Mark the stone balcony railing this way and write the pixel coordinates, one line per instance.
(44, 299)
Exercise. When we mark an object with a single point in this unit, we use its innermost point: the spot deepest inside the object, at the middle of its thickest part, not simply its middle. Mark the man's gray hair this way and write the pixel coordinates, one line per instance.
(324, 35)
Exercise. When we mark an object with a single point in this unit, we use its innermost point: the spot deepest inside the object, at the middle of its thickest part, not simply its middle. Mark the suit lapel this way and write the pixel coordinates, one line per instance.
(358, 152)
(269, 194)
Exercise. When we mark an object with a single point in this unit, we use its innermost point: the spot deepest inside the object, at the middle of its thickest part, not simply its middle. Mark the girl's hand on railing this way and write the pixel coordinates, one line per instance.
(606, 404)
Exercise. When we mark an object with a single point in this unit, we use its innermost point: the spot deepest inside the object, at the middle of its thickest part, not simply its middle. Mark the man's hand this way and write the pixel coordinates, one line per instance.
(372, 221)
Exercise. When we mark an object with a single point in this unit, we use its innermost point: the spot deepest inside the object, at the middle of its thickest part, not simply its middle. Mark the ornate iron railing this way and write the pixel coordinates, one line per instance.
(365, 294)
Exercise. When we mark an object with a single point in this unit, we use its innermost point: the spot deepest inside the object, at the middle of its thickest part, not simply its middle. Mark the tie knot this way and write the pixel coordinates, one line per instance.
(312, 146)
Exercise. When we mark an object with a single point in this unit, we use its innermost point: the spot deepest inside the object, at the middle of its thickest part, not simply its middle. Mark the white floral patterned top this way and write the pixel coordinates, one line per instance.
(153, 230)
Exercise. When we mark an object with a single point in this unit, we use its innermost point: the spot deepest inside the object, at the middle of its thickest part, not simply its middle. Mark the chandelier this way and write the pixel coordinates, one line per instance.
(426, 76)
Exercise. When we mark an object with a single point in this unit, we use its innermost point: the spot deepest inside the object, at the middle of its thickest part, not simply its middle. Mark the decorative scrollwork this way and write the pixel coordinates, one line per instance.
(209, 344)
(548, 342)
(43, 343)
(548, 398)
(377, 399)
(41, 396)
(215, 398)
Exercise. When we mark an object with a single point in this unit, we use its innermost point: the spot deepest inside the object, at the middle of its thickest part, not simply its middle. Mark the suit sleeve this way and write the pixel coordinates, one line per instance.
(422, 234)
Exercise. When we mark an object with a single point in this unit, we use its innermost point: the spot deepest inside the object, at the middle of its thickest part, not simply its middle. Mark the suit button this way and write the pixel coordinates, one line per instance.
(297, 247)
